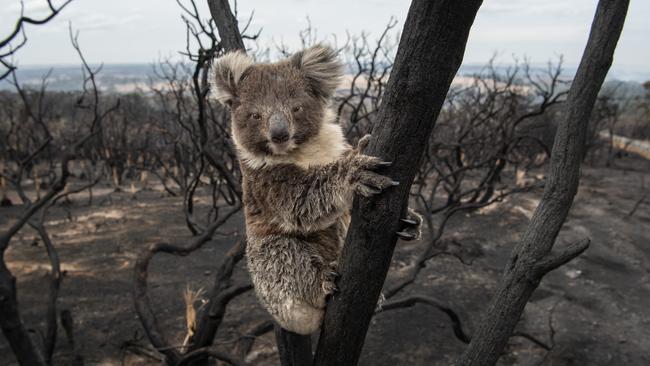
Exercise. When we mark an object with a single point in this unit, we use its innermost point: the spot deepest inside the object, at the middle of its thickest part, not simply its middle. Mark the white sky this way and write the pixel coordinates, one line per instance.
(135, 31)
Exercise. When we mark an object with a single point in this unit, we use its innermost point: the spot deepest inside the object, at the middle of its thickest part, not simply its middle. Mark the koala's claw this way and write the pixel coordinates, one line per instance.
(369, 183)
(365, 181)
(329, 287)
(405, 236)
(409, 222)
(335, 290)
(335, 275)
(411, 226)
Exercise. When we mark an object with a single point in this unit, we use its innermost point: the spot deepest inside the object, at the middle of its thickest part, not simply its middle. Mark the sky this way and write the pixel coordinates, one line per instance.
(143, 31)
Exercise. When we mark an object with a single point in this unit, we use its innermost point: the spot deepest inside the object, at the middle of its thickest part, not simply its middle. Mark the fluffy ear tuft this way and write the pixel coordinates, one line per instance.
(227, 72)
(321, 67)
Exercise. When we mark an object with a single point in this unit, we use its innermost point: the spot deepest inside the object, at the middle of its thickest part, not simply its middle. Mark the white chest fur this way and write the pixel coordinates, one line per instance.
(324, 148)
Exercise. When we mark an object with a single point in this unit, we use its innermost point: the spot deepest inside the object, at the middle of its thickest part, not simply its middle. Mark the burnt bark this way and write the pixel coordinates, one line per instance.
(67, 322)
(532, 257)
(294, 349)
(430, 52)
(12, 326)
(226, 22)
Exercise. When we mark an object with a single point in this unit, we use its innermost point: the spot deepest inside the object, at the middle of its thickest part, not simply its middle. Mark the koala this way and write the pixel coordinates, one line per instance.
(299, 177)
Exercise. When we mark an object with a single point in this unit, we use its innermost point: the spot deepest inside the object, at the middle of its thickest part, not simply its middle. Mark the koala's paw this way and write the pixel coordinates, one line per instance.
(411, 226)
(363, 176)
(369, 183)
(329, 284)
(363, 143)
(330, 276)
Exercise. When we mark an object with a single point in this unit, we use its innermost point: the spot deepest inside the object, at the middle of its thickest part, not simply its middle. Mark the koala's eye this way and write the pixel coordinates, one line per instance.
(256, 116)
(297, 108)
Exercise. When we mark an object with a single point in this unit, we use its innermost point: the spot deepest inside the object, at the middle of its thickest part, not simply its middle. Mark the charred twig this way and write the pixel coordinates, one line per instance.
(412, 300)
(529, 337)
(19, 29)
(637, 204)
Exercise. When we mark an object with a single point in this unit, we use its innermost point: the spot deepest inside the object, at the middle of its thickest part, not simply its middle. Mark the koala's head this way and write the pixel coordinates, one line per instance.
(276, 108)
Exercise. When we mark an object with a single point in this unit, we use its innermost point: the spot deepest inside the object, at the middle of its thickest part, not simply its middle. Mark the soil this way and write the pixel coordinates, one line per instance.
(592, 311)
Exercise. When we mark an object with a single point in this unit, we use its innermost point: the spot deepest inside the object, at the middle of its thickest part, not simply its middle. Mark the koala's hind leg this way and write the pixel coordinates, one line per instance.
(299, 317)
(290, 280)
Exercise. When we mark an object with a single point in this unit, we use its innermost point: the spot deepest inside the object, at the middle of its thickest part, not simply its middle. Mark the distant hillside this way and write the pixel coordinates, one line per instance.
(112, 78)
(125, 78)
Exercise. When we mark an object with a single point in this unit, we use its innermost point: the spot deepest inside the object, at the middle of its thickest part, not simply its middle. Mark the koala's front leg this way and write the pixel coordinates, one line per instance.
(324, 193)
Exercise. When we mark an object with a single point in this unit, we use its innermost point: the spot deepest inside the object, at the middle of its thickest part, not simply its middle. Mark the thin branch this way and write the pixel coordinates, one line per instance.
(412, 300)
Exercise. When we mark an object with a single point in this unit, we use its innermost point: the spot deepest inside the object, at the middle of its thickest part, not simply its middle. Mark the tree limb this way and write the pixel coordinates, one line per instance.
(226, 21)
(531, 259)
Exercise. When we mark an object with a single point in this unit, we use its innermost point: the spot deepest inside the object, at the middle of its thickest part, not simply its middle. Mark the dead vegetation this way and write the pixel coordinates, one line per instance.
(125, 211)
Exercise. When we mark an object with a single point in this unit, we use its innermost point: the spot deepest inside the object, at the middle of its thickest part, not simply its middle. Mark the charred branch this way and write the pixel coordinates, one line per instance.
(532, 257)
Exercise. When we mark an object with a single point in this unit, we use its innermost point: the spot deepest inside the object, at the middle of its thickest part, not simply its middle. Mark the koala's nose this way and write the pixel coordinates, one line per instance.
(279, 136)
(278, 127)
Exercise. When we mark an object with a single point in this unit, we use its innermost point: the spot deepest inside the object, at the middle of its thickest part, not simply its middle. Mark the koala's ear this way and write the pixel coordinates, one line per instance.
(227, 72)
(321, 68)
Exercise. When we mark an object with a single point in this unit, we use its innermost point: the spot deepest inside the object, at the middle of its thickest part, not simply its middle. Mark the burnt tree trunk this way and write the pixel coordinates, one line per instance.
(12, 325)
(430, 52)
(226, 22)
(294, 349)
(532, 258)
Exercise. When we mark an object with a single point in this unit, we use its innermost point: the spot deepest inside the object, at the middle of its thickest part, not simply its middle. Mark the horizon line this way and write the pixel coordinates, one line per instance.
(472, 63)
